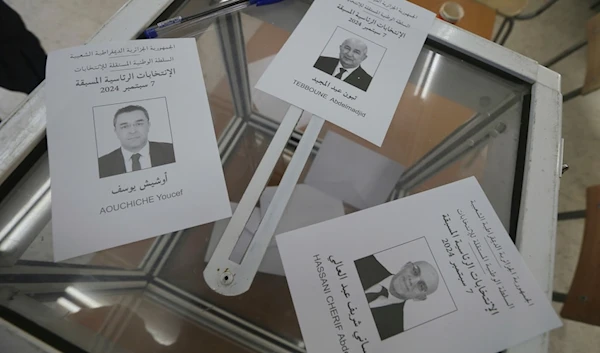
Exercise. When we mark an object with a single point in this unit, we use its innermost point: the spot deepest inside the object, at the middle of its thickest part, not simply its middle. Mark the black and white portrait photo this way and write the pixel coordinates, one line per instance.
(133, 136)
(350, 58)
(403, 287)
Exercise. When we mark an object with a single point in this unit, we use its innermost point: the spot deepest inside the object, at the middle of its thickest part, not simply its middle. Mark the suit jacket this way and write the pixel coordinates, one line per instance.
(114, 163)
(359, 78)
(389, 319)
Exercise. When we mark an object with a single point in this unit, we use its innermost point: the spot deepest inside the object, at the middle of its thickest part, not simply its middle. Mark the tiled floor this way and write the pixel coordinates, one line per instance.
(63, 23)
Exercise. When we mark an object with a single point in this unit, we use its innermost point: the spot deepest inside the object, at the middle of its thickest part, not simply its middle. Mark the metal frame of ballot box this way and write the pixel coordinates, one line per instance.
(26, 213)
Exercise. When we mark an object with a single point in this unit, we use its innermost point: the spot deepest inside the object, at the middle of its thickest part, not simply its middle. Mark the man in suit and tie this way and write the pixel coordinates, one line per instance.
(353, 52)
(387, 293)
(132, 124)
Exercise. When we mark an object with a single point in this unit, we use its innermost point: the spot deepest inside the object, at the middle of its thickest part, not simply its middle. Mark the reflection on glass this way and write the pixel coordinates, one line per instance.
(68, 305)
(82, 298)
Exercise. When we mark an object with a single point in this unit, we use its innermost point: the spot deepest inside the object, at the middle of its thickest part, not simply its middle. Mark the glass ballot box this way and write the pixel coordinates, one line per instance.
(470, 108)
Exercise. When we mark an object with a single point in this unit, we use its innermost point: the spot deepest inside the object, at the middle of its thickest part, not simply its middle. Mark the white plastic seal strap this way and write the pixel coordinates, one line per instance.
(230, 278)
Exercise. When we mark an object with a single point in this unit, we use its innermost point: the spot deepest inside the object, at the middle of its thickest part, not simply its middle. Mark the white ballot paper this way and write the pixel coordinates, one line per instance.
(435, 272)
(353, 173)
(131, 143)
(348, 62)
(306, 206)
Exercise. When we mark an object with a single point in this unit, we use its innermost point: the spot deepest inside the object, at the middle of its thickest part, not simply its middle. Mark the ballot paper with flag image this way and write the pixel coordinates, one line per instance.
(348, 62)
(434, 272)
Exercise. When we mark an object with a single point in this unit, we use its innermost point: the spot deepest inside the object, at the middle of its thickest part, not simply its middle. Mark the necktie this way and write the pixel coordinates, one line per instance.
(342, 71)
(374, 295)
(135, 162)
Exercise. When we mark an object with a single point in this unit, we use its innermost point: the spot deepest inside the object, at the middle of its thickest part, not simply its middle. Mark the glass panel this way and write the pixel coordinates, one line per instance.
(218, 89)
(455, 119)
(445, 97)
(132, 322)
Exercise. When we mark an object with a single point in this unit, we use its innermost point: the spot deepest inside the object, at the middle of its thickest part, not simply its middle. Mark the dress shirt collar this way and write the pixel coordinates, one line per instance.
(144, 152)
(382, 301)
(345, 74)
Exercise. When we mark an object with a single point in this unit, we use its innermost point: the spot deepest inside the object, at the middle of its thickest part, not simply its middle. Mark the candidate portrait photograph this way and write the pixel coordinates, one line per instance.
(133, 136)
(350, 58)
(400, 279)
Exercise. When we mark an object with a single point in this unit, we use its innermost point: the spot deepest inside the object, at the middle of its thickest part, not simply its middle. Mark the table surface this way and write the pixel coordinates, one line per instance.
(478, 19)
(150, 296)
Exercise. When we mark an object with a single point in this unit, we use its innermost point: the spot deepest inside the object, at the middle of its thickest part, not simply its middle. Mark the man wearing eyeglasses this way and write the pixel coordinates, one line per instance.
(387, 293)
(132, 124)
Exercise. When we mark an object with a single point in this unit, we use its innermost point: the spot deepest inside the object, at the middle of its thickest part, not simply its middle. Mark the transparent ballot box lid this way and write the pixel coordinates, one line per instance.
(459, 116)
